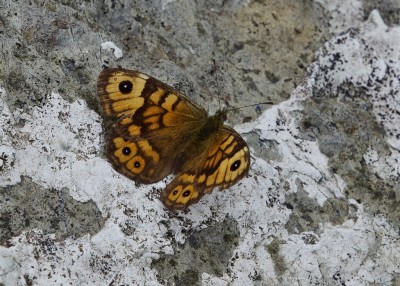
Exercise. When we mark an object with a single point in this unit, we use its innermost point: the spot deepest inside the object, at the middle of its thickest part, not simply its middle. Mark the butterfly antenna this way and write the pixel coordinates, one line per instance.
(217, 79)
(256, 104)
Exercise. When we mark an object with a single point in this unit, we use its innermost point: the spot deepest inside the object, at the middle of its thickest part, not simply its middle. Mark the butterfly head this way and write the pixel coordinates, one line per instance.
(221, 114)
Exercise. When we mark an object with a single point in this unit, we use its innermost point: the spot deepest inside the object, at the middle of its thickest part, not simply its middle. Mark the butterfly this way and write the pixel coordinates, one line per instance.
(156, 131)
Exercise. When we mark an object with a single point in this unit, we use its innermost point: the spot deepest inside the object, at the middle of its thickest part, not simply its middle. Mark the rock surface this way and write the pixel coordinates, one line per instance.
(320, 204)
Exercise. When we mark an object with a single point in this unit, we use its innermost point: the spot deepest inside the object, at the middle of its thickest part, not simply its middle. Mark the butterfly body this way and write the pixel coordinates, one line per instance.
(157, 131)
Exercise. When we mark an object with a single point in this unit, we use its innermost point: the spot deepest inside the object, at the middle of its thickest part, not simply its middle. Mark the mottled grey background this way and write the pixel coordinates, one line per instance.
(261, 49)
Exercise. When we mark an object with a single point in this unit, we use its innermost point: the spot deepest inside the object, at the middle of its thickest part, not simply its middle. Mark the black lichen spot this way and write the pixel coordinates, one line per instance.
(126, 151)
(125, 86)
(235, 165)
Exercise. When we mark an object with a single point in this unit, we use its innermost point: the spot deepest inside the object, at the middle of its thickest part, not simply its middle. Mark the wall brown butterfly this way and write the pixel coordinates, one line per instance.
(157, 131)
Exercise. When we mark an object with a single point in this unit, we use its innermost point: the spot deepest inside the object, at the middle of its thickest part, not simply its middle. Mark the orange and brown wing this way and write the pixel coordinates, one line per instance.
(225, 162)
(151, 121)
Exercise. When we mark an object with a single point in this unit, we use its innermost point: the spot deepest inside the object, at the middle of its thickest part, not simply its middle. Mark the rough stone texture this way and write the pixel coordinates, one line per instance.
(320, 204)
(27, 206)
(208, 250)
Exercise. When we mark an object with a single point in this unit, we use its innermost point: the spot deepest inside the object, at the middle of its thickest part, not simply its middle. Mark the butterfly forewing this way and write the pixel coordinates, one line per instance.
(149, 116)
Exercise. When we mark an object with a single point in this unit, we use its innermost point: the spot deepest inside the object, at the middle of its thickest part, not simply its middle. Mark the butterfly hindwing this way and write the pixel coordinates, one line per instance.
(224, 163)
